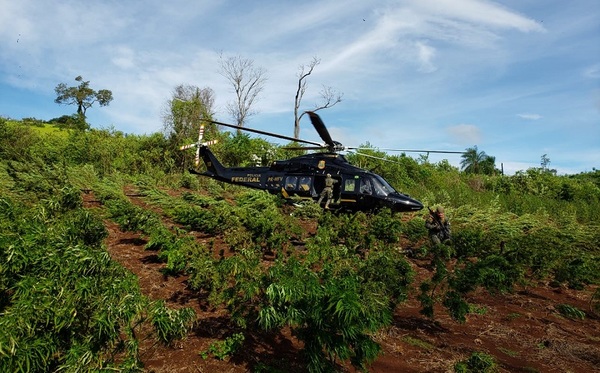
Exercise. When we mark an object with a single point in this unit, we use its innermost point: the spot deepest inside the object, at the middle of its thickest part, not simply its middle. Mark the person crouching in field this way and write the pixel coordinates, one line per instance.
(438, 226)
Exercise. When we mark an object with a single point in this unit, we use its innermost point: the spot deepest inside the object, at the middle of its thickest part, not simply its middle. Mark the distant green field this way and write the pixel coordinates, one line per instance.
(41, 128)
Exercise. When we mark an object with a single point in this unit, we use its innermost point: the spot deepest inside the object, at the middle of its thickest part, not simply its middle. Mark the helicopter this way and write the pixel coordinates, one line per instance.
(303, 177)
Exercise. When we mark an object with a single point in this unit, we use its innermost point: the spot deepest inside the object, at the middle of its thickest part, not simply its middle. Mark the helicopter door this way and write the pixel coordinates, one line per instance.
(365, 192)
(337, 188)
(347, 190)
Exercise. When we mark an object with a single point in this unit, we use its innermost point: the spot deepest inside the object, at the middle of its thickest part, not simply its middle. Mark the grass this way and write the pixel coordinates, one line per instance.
(508, 352)
(513, 316)
(570, 312)
(51, 129)
(416, 342)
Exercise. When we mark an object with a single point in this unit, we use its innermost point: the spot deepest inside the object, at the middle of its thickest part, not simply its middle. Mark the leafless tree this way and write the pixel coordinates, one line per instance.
(247, 81)
(328, 95)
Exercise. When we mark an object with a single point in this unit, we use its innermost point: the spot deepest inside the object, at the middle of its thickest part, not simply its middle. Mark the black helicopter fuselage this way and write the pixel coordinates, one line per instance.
(303, 177)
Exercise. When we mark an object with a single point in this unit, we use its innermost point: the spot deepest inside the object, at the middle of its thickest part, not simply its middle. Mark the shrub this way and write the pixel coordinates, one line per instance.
(570, 311)
(82, 226)
(478, 362)
(385, 227)
(70, 307)
(307, 210)
(202, 270)
(171, 324)
(189, 181)
(224, 349)
(578, 272)
(470, 242)
(196, 218)
(414, 229)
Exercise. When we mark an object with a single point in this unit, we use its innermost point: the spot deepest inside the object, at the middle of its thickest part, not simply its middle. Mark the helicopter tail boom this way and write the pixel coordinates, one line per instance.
(213, 166)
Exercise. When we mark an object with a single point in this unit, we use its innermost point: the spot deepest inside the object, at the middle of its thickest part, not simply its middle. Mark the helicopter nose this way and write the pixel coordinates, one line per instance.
(406, 204)
(415, 205)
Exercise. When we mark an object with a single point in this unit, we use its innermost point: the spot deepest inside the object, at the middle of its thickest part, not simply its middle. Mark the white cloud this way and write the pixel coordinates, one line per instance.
(466, 134)
(426, 54)
(480, 12)
(124, 57)
(530, 116)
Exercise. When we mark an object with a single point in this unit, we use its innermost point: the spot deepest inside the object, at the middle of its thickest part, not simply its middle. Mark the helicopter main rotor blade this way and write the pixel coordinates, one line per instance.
(263, 132)
(304, 148)
(321, 129)
(410, 150)
(374, 157)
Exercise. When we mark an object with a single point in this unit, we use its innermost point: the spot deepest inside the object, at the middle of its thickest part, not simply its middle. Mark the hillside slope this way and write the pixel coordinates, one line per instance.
(523, 330)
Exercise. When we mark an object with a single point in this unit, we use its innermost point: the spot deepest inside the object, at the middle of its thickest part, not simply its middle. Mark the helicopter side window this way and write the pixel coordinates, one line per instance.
(365, 186)
(382, 187)
(304, 183)
(290, 182)
(349, 185)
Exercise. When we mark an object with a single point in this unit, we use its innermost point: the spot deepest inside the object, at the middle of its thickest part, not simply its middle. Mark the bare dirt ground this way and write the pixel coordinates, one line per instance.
(522, 330)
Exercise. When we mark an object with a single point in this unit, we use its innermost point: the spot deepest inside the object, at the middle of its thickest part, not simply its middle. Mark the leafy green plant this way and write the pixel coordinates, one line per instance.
(202, 269)
(578, 272)
(130, 217)
(69, 305)
(478, 362)
(413, 341)
(224, 349)
(479, 310)
(189, 181)
(307, 210)
(171, 324)
(385, 227)
(470, 242)
(508, 352)
(570, 311)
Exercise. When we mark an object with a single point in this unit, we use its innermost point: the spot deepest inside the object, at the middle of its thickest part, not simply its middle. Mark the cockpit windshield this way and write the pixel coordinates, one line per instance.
(382, 187)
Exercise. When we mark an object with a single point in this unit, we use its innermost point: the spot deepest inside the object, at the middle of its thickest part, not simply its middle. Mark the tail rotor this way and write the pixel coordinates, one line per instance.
(198, 144)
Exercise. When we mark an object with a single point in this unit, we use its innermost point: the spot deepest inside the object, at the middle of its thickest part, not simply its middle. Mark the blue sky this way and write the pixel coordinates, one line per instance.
(517, 78)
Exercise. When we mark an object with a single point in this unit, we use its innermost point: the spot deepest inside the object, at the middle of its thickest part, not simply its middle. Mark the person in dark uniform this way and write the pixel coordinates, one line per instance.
(438, 226)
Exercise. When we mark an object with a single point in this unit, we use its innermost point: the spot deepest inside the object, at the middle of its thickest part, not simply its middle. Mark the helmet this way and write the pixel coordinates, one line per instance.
(328, 175)
(439, 210)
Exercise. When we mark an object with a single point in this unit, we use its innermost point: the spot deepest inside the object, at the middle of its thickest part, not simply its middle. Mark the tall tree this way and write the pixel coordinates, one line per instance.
(182, 116)
(488, 166)
(82, 96)
(477, 162)
(328, 95)
(247, 81)
(183, 111)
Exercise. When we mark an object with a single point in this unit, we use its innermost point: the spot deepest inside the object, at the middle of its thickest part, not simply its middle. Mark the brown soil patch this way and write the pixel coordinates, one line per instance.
(523, 330)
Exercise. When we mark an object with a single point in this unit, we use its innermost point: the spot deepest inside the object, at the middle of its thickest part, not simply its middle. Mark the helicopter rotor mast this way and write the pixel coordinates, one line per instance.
(317, 122)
